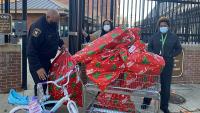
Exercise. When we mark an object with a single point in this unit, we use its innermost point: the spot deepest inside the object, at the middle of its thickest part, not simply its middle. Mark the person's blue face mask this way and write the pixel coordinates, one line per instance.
(163, 29)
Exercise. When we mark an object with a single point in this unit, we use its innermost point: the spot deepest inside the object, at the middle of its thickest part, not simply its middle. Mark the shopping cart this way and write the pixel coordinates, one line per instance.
(139, 88)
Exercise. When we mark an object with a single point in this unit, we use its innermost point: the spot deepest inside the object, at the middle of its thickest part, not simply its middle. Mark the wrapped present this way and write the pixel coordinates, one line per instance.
(135, 32)
(105, 68)
(145, 63)
(107, 41)
(131, 80)
(118, 102)
(60, 66)
(118, 52)
(149, 80)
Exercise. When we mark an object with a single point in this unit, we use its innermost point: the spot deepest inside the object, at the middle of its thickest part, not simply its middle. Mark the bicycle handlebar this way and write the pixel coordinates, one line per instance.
(76, 68)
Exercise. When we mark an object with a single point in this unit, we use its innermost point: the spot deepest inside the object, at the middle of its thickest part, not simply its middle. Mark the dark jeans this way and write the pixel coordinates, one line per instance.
(46, 66)
(165, 81)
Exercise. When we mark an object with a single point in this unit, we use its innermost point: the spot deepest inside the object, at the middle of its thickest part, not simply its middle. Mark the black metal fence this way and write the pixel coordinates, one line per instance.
(183, 15)
(5, 8)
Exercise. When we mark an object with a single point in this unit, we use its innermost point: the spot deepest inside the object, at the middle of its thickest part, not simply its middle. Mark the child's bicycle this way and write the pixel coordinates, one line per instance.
(37, 104)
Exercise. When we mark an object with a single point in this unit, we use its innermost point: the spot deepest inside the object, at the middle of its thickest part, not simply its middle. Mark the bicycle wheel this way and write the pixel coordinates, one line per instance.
(72, 108)
(20, 109)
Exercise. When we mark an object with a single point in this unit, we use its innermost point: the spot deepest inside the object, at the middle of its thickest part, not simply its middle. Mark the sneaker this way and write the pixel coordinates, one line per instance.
(165, 110)
(49, 105)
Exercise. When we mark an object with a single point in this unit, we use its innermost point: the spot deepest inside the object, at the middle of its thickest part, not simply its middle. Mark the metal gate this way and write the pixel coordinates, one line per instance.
(5, 8)
(89, 15)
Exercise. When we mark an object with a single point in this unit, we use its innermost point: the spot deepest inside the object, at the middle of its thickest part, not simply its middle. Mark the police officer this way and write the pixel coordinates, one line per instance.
(43, 43)
(164, 43)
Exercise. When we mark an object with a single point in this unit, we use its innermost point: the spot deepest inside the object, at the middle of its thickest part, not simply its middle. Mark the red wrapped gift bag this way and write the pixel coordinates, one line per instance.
(60, 66)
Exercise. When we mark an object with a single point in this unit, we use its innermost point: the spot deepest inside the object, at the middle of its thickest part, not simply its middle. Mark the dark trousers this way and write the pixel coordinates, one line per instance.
(46, 66)
(165, 81)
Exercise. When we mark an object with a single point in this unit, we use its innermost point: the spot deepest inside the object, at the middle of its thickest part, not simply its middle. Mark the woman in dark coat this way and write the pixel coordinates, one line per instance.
(164, 43)
(107, 26)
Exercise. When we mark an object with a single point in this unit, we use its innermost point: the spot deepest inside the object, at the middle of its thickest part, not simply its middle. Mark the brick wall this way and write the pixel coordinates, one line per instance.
(191, 65)
(10, 67)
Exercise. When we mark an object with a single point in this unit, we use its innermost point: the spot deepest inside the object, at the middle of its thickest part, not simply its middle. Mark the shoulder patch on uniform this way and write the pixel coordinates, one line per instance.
(36, 32)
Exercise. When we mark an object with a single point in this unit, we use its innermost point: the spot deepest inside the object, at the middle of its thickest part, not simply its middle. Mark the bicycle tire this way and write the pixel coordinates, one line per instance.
(19, 109)
(72, 108)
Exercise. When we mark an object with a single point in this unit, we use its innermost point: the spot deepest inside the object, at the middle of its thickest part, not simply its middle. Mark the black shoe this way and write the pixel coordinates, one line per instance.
(165, 110)
(144, 106)
(49, 105)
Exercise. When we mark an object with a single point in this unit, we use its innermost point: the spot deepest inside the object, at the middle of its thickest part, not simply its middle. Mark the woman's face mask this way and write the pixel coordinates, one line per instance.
(164, 29)
(106, 28)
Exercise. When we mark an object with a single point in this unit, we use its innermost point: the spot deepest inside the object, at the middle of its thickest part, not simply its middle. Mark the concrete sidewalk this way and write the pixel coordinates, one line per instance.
(190, 92)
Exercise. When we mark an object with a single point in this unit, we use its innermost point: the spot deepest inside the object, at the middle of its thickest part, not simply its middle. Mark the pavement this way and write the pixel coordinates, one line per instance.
(191, 92)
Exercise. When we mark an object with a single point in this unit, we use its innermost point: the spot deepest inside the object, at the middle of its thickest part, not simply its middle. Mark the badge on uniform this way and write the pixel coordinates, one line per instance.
(36, 32)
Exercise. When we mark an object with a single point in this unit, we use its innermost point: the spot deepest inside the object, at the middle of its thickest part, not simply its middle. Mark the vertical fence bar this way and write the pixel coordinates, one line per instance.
(135, 21)
(102, 7)
(115, 14)
(123, 11)
(180, 16)
(157, 14)
(169, 5)
(143, 8)
(176, 13)
(184, 25)
(92, 15)
(15, 9)
(131, 13)
(111, 9)
(1, 6)
(151, 20)
(147, 17)
(88, 15)
(191, 20)
(73, 41)
(195, 21)
(97, 18)
(106, 9)
(6, 5)
(173, 15)
(166, 8)
(161, 12)
(139, 24)
(119, 12)
(198, 23)
(127, 14)
(80, 18)
(187, 25)
(24, 43)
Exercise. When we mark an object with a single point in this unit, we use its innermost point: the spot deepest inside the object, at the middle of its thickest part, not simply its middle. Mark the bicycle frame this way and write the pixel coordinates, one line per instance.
(60, 102)
(71, 105)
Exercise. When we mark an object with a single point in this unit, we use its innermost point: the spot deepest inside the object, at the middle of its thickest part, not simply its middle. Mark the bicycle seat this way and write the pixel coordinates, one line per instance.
(17, 99)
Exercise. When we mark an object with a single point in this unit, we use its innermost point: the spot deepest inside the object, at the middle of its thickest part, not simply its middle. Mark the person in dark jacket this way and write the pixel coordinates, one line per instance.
(166, 44)
(107, 26)
(43, 43)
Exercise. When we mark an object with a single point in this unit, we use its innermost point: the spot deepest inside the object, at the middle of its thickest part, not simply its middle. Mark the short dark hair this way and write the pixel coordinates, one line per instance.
(163, 19)
(111, 24)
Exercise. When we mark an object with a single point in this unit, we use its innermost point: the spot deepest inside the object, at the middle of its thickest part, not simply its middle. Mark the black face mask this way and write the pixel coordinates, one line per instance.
(53, 23)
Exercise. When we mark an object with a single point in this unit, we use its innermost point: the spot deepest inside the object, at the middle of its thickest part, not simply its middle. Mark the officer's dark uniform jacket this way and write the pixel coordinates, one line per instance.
(43, 44)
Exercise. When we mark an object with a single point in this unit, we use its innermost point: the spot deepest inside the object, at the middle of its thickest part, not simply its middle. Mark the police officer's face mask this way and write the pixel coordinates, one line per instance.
(53, 23)
(54, 20)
